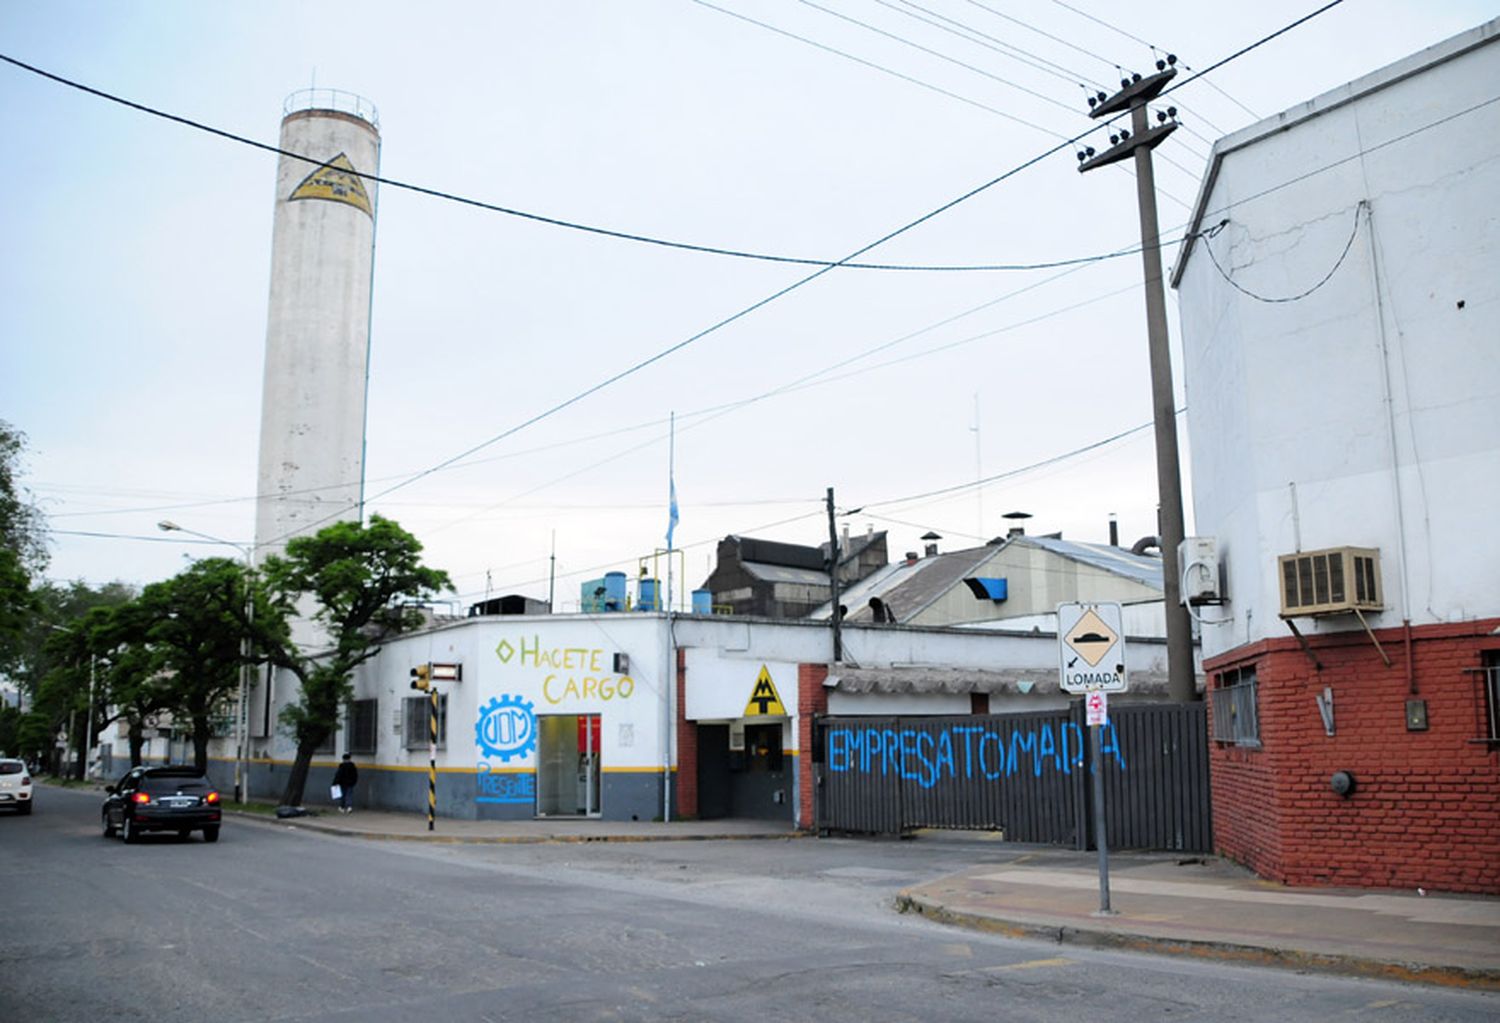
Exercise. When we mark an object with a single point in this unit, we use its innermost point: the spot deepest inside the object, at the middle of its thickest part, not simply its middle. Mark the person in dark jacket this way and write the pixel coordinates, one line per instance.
(345, 778)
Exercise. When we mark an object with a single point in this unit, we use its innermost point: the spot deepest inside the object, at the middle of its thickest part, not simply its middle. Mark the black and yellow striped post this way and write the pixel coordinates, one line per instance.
(421, 678)
(432, 738)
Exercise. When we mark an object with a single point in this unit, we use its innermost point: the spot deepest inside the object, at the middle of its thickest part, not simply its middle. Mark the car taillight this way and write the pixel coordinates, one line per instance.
(141, 797)
(212, 797)
(25, 780)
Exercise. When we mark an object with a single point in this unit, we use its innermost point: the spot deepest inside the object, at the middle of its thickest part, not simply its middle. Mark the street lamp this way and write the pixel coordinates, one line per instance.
(241, 739)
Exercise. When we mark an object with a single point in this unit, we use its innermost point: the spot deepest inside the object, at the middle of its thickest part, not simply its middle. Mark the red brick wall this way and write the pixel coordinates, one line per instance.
(1426, 810)
(812, 701)
(687, 747)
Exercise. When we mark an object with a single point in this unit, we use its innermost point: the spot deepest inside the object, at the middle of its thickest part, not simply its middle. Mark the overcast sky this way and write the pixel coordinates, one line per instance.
(136, 263)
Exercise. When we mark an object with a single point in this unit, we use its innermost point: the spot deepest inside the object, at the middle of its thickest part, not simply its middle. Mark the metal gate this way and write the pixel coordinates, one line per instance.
(1026, 775)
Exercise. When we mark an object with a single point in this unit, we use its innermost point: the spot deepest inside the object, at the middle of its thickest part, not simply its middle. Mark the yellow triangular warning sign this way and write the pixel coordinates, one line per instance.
(336, 181)
(764, 700)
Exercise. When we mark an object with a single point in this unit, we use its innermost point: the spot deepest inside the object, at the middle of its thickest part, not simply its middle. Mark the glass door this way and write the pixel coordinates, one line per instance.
(568, 765)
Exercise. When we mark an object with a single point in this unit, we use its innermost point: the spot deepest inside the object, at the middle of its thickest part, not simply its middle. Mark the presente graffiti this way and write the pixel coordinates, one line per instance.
(928, 756)
(505, 786)
(505, 729)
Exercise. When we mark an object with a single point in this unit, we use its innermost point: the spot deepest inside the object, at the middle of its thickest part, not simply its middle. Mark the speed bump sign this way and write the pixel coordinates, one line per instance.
(1091, 648)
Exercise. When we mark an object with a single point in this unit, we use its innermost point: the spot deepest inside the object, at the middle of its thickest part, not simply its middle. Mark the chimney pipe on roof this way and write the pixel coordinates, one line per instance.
(930, 551)
(1114, 531)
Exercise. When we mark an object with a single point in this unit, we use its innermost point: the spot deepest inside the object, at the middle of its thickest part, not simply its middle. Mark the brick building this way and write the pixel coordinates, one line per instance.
(1338, 300)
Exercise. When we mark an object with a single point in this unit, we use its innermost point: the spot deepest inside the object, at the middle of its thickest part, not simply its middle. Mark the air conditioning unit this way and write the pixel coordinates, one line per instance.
(1198, 561)
(1333, 581)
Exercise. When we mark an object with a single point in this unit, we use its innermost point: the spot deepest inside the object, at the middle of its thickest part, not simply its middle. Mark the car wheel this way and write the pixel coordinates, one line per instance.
(211, 833)
(109, 829)
(183, 834)
(25, 807)
(128, 831)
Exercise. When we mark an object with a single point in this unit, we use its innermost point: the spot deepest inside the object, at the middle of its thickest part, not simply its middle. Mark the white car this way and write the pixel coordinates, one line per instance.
(15, 786)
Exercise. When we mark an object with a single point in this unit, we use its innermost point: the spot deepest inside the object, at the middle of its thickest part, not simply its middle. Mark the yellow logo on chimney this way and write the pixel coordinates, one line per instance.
(336, 181)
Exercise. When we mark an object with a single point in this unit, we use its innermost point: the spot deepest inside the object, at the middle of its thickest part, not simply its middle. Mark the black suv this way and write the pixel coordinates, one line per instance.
(179, 799)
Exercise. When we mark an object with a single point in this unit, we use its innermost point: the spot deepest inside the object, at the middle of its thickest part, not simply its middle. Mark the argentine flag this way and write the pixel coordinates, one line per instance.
(672, 513)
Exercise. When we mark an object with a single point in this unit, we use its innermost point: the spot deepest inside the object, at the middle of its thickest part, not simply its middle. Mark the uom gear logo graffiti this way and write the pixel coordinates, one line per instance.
(506, 728)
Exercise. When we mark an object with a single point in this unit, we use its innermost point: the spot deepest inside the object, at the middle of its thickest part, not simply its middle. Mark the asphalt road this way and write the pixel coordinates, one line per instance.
(274, 924)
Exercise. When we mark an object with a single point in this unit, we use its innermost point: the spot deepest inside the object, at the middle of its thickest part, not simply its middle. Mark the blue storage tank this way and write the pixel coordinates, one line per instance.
(614, 591)
(647, 595)
(703, 602)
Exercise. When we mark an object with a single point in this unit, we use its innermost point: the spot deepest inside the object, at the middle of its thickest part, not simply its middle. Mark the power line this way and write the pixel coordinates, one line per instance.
(726, 321)
(581, 395)
(1255, 45)
(942, 56)
(1358, 154)
(990, 42)
(877, 67)
(537, 217)
(1153, 48)
(1009, 473)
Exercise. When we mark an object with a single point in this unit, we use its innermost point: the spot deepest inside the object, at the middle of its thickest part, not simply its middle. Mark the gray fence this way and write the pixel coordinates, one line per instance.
(1026, 775)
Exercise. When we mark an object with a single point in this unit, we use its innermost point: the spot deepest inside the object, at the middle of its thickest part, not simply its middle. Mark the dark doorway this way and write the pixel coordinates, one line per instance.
(761, 787)
(713, 771)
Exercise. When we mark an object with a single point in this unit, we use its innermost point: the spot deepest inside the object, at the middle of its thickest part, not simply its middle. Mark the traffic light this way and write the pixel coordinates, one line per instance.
(421, 677)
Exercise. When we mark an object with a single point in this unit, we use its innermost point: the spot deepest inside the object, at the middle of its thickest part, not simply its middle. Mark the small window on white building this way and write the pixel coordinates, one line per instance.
(416, 727)
(362, 726)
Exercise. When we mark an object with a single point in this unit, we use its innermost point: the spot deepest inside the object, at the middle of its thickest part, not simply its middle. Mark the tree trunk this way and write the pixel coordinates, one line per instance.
(200, 741)
(297, 780)
(137, 743)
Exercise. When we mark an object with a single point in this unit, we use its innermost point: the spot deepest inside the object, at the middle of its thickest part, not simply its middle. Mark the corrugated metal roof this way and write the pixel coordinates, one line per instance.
(1143, 568)
(908, 588)
(785, 574)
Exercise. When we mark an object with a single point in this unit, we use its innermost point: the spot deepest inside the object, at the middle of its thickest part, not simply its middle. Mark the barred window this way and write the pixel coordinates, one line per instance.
(1490, 673)
(362, 725)
(1235, 707)
(415, 726)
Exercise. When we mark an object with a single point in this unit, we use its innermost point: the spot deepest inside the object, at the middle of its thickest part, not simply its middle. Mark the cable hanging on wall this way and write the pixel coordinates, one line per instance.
(1213, 231)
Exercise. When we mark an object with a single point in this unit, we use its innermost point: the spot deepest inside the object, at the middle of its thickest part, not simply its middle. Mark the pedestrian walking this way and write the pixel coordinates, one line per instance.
(344, 780)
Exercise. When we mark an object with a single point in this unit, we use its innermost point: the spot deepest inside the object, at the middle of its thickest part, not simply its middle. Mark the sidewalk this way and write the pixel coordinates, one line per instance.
(1199, 907)
(412, 827)
(1210, 909)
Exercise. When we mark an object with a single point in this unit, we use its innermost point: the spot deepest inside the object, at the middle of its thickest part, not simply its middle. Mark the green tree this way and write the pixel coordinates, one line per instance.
(51, 664)
(23, 547)
(361, 579)
(196, 625)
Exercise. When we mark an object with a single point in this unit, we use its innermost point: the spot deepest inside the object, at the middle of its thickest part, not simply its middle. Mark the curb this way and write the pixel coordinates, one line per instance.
(312, 824)
(1471, 978)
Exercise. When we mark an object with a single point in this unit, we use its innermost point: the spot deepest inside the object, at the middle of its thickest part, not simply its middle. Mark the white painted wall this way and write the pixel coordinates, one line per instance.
(1368, 412)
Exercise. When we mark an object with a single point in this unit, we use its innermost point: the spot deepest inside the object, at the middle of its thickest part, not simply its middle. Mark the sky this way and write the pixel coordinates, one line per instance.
(135, 272)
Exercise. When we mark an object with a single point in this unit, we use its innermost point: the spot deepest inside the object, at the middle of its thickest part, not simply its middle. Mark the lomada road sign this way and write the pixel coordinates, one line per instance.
(1091, 648)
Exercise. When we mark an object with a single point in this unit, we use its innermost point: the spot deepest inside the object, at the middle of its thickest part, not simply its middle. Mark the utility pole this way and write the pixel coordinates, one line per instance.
(833, 580)
(1137, 143)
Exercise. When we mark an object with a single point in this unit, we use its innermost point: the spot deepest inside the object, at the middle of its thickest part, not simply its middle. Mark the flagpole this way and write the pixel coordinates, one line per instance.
(669, 666)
